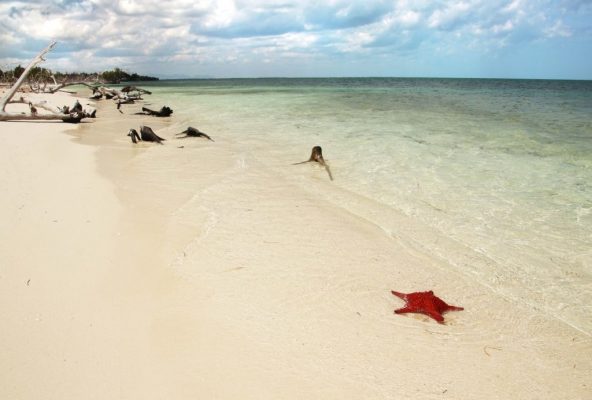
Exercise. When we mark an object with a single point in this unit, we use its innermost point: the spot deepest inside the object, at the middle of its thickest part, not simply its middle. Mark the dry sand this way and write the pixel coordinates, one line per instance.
(158, 272)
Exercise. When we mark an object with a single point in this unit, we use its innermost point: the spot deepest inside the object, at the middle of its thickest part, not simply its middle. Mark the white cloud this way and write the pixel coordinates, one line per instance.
(558, 30)
(106, 33)
(450, 15)
(505, 27)
(222, 14)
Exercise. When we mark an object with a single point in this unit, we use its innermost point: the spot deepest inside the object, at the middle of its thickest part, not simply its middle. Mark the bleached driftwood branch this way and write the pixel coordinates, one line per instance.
(8, 96)
(56, 87)
(121, 96)
(33, 115)
(43, 105)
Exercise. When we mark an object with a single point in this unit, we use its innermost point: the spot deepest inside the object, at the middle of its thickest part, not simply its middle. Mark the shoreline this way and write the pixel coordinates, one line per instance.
(209, 275)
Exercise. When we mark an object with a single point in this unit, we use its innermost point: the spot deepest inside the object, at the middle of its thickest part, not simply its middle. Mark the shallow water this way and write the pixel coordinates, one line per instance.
(503, 167)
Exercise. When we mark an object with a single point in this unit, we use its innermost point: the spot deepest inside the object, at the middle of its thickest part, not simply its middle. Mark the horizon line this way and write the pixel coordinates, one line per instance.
(371, 77)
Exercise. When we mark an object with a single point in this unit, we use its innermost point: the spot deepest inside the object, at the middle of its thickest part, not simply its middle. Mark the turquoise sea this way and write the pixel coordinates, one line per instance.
(501, 167)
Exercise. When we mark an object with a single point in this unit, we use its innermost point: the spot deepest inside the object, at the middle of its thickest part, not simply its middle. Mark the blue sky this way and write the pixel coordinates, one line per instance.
(256, 38)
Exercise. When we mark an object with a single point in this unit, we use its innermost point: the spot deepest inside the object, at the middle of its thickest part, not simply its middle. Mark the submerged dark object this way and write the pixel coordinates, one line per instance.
(134, 135)
(74, 117)
(75, 114)
(77, 107)
(129, 89)
(125, 101)
(317, 156)
(146, 135)
(164, 112)
(425, 303)
(193, 132)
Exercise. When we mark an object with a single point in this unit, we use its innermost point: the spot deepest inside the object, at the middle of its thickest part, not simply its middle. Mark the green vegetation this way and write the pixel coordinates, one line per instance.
(18, 71)
(118, 76)
(11, 74)
(39, 74)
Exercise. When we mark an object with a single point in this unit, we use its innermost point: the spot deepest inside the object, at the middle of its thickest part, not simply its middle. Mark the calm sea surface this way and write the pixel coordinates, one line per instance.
(502, 166)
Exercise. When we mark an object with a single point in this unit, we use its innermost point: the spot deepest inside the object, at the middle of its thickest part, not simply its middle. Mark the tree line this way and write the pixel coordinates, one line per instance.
(42, 75)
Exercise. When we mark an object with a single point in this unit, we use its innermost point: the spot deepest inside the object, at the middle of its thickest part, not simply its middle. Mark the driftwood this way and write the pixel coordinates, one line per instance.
(164, 112)
(33, 107)
(124, 101)
(44, 87)
(65, 114)
(134, 135)
(193, 132)
(127, 95)
(121, 96)
(130, 89)
(99, 91)
(74, 114)
(317, 156)
(68, 116)
(56, 87)
(34, 115)
(77, 107)
(146, 135)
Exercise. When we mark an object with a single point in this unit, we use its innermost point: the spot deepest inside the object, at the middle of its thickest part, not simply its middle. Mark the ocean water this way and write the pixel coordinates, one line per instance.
(503, 168)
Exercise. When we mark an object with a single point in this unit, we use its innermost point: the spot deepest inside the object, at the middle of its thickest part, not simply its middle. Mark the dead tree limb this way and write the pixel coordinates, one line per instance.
(131, 89)
(22, 100)
(55, 88)
(164, 112)
(193, 132)
(33, 115)
(38, 59)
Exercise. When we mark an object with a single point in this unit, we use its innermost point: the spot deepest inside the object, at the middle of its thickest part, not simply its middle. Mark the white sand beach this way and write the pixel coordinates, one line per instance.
(159, 272)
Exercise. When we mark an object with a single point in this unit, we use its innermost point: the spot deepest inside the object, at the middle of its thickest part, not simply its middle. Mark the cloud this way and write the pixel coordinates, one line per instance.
(143, 34)
(558, 30)
(248, 23)
(345, 14)
(451, 16)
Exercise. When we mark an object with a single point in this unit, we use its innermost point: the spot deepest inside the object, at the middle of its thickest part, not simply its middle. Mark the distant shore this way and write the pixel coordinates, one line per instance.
(193, 270)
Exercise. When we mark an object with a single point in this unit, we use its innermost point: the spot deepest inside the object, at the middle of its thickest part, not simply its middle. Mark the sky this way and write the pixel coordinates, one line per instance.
(540, 39)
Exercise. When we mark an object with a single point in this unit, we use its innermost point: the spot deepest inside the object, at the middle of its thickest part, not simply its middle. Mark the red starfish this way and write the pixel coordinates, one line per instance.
(425, 303)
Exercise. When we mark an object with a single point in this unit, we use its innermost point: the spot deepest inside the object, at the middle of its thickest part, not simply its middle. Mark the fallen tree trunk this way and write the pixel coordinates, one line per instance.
(22, 100)
(127, 93)
(164, 112)
(33, 115)
(66, 114)
(131, 89)
(55, 88)
(73, 118)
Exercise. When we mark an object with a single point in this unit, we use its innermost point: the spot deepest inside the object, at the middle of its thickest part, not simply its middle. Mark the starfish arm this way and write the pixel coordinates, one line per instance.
(404, 310)
(454, 308)
(399, 295)
(435, 315)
